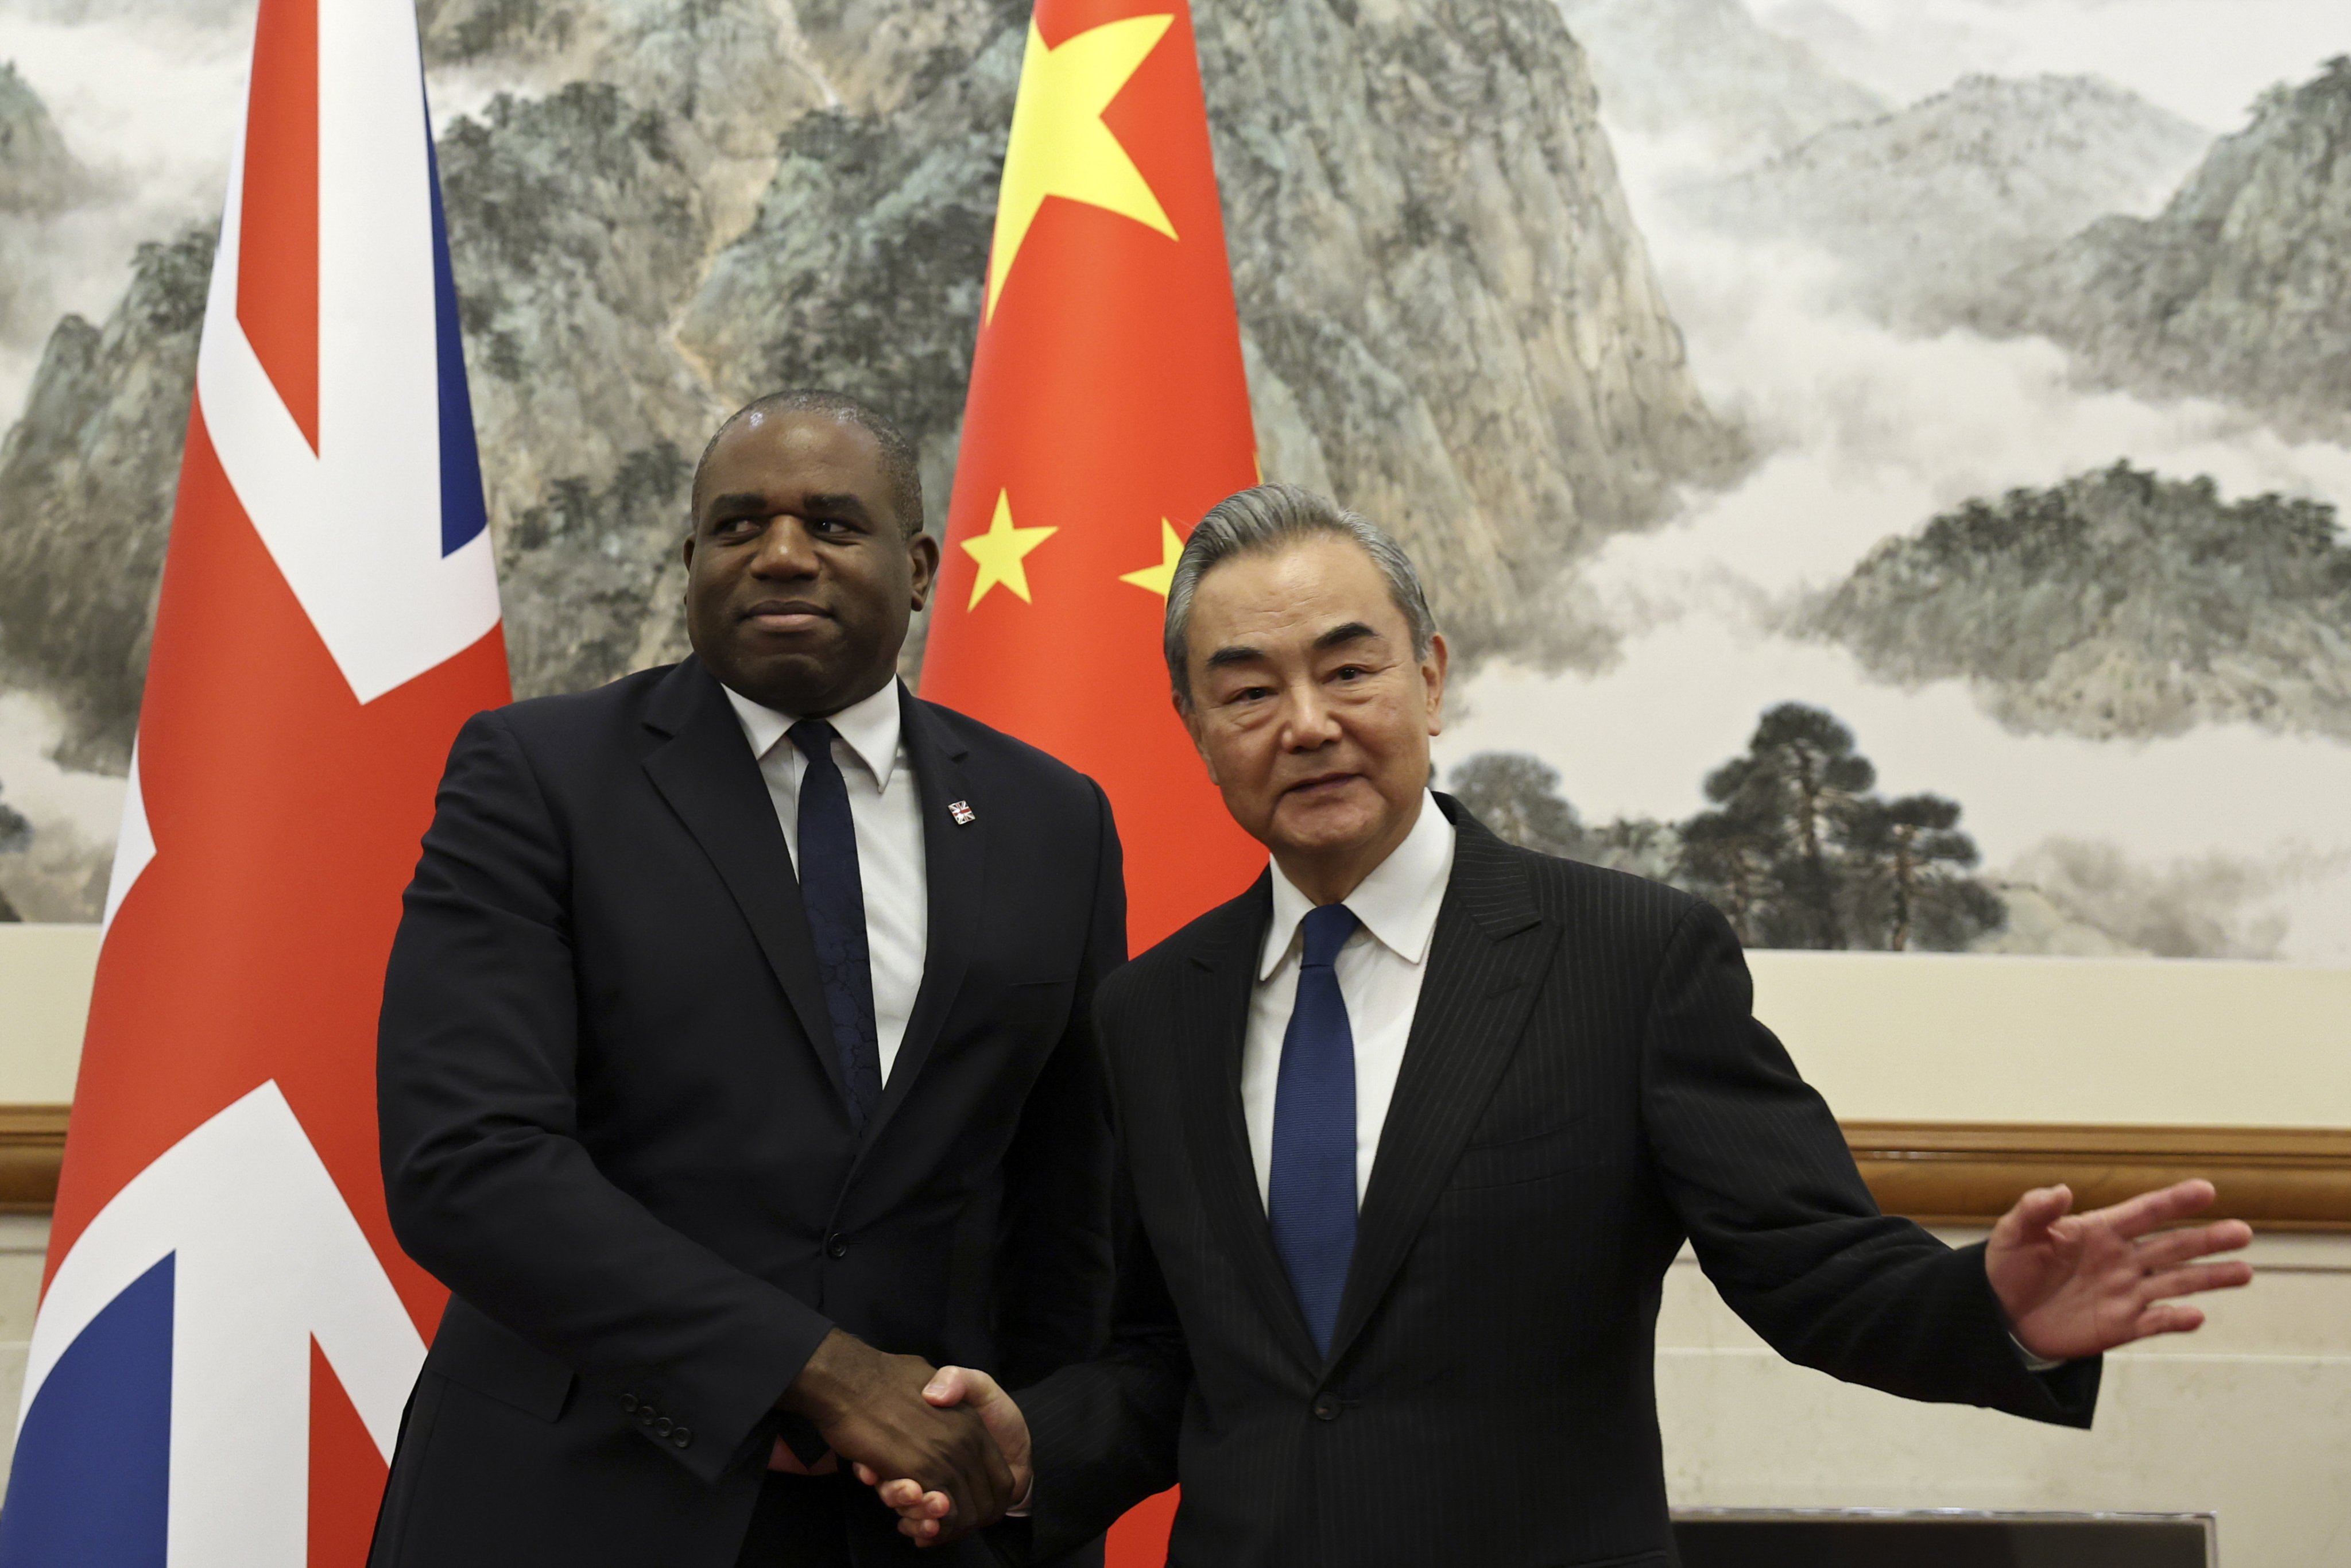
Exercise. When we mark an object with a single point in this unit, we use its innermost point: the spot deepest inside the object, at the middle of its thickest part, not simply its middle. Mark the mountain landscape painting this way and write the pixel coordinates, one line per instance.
(1880, 464)
(2028, 616)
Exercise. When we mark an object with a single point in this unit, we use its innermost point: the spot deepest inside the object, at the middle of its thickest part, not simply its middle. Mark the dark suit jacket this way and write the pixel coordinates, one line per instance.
(613, 1126)
(1585, 1086)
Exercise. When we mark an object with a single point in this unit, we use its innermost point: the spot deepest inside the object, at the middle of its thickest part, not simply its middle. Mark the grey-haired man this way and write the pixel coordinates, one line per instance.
(1413, 1127)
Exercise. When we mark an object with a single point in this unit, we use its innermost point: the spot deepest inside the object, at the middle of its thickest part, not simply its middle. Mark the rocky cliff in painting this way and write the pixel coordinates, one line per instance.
(2238, 289)
(1708, 69)
(37, 174)
(39, 177)
(1456, 325)
(674, 205)
(2118, 604)
(1928, 209)
(86, 484)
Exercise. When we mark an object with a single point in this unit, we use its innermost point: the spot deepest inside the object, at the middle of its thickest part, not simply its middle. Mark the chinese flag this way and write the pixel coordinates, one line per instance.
(1107, 411)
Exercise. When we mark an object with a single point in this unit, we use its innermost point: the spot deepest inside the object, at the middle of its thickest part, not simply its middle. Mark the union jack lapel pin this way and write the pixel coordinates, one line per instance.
(962, 812)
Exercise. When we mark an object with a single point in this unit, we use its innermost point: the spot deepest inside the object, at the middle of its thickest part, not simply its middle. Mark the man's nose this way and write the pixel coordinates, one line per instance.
(785, 551)
(1311, 723)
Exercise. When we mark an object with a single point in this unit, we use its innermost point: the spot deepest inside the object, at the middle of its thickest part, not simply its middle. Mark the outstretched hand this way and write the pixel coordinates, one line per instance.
(930, 1517)
(2077, 1285)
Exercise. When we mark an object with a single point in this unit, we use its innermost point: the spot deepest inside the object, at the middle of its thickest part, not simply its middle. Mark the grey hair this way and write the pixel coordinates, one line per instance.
(1264, 519)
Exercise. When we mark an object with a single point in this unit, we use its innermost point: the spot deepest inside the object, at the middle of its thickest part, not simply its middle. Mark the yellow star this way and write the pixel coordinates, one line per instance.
(1060, 146)
(1000, 550)
(1159, 578)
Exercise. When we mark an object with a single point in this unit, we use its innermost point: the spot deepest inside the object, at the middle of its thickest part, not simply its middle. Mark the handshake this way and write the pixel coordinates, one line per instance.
(945, 1447)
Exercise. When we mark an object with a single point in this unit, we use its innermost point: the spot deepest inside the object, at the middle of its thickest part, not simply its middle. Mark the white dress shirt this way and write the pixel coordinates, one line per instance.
(1380, 971)
(886, 807)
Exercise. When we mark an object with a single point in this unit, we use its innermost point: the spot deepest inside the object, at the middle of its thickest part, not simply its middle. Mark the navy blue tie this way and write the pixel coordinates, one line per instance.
(835, 896)
(1311, 1193)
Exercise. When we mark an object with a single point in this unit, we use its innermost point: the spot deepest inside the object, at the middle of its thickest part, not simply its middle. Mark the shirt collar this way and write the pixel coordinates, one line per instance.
(1398, 903)
(869, 727)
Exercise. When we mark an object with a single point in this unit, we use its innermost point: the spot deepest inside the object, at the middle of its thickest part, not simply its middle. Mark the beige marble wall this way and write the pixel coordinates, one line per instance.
(24, 1240)
(45, 982)
(2249, 1419)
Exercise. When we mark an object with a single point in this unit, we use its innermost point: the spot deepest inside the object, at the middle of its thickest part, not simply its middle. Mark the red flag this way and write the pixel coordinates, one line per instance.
(228, 1331)
(1108, 410)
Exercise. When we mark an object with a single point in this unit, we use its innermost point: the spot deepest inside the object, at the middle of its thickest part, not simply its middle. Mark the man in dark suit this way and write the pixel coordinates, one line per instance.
(737, 1064)
(1413, 1127)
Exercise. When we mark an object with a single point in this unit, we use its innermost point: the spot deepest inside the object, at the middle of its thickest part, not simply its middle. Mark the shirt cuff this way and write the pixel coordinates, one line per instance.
(2033, 1364)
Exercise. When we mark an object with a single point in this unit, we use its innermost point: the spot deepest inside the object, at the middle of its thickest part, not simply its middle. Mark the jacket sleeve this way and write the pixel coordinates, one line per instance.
(489, 1183)
(1103, 1432)
(1754, 1162)
(1054, 1257)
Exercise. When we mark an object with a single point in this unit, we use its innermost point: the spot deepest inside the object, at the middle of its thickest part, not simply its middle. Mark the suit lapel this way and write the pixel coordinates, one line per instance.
(954, 864)
(1208, 1034)
(1490, 948)
(706, 772)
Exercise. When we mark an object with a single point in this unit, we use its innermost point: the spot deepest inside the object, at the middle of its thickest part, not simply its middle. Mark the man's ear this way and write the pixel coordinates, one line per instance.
(923, 566)
(1432, 671)
(688, 553)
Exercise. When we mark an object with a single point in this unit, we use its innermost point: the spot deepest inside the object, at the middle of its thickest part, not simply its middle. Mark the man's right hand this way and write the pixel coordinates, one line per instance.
(870, 1406)
(927, 1517)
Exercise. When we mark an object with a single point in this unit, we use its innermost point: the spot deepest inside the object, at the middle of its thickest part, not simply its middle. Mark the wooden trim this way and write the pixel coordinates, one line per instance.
(1968, 1173)
(32, 1143)
(1942, 1172)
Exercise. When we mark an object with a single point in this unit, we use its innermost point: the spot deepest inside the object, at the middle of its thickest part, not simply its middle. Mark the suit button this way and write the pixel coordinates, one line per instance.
(1326, 1408)
(661, 1426)
(628, 1403)
(681, 1436)
(644, 1415)
(836, 1245)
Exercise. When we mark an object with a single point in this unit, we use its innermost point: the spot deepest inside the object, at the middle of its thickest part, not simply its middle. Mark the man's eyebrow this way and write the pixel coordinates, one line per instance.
(756, 504)
(1235, 654)
(843, 505)
(1338, 636)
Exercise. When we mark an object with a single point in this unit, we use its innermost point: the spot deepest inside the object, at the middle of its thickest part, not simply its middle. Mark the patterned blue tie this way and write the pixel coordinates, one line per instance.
(1310, 1194)
(835, 896)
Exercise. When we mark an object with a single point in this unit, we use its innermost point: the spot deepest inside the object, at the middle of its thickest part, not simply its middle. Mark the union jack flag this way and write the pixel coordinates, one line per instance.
(228, 1331)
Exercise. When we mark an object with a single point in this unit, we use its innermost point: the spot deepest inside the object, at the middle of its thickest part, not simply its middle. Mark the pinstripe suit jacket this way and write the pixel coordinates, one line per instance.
(1584, 1087)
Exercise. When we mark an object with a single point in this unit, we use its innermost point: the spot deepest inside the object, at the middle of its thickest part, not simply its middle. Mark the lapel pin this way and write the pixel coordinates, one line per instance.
(962, 812)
